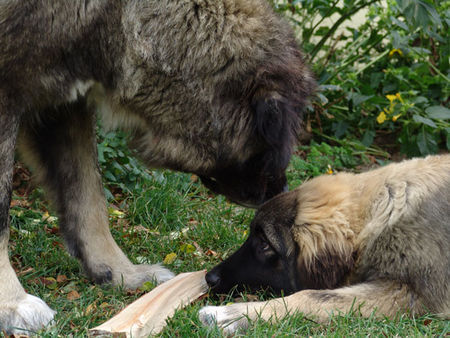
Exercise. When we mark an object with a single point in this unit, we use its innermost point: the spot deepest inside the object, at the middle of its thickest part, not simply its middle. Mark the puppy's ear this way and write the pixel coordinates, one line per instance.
(325, 258)
(270, 118)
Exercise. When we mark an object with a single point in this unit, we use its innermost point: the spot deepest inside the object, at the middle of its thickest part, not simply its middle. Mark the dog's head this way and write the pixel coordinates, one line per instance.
(268, 258)
(222, 100)
(255, 173)
(295, 243)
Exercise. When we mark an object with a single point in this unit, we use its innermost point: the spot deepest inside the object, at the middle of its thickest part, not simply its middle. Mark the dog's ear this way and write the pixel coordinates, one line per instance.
(325, 256)
(270, 118)
(327, 270)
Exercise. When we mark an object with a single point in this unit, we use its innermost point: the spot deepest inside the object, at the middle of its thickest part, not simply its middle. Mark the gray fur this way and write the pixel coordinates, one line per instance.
(415, 252)
(214, 87)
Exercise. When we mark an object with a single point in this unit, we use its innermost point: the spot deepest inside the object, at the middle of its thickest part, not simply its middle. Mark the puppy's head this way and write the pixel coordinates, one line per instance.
(268, 259)
(298, 240)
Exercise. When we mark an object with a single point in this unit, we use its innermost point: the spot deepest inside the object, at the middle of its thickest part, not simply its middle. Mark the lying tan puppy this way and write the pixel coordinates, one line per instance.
(375, 242)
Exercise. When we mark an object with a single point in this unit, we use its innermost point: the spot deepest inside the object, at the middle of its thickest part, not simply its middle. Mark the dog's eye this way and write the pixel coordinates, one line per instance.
(265, 246)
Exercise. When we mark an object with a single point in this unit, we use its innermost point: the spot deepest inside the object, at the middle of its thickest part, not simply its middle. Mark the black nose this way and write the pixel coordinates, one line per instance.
(213, 279)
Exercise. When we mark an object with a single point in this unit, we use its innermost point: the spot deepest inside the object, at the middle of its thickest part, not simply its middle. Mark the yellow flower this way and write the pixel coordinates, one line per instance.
(381, 117)
(398, 96)
(395, 50)
(244, 234)
(391, 98)
(395, 117)
(329, 170)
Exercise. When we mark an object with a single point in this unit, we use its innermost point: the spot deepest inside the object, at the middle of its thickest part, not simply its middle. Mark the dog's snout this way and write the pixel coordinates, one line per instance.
(213, 279)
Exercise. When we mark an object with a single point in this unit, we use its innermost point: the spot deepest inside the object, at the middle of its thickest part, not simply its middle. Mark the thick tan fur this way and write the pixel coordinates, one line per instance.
(382, 225)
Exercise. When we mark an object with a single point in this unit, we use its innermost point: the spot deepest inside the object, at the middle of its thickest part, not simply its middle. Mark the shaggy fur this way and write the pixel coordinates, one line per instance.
(213, 87)
(376, 242)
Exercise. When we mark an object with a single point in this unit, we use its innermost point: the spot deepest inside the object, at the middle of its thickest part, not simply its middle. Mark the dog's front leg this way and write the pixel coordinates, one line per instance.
(62, 149)
(234, 317)
(19, 311)
(382, 298)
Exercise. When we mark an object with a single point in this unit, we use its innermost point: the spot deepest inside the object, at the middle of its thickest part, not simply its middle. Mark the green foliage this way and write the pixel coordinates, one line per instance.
(401, 48)
(119, 166)
(319, 159)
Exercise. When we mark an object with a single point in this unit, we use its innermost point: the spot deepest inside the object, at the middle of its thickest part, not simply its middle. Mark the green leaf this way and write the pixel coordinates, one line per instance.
(426, 143)
(419, 99)
(424, 120)
(368, 137)
(110, 176)
(438, 112)
(399, 23)
(340, 128)
(421, 13)
(358, 98)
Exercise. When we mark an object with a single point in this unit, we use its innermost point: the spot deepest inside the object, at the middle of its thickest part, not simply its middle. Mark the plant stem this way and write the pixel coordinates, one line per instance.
(382, 55)
(336, 26)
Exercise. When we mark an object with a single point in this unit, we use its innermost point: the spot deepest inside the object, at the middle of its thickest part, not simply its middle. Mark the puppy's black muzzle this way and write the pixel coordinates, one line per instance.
(213, 279)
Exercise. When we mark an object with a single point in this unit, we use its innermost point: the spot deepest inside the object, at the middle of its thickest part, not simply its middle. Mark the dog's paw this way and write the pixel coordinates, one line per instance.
(159, 273)
(29, 314)
(229, 318)
(145, 272)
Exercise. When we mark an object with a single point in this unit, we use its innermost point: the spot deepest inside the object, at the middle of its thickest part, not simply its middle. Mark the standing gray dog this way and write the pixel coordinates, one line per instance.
(213, 87)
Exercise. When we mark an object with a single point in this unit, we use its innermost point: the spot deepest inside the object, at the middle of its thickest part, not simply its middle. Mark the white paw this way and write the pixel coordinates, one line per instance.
(229, 318)
(30, 314)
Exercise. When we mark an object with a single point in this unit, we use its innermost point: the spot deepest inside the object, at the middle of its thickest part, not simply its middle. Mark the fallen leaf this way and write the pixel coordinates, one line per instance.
(52, 230)
(177, 234)
(24, 272)
(210, 252)
(58, 244)
(199, 249)
(91, 307)
(61, 278)
(147, 286)
(140, 228)
(115, 212)
(73, 295)
(170, 258)
(187, 248)
(49, 282)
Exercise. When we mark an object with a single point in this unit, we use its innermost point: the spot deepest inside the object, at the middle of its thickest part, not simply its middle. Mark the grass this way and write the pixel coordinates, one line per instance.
(172, 213)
